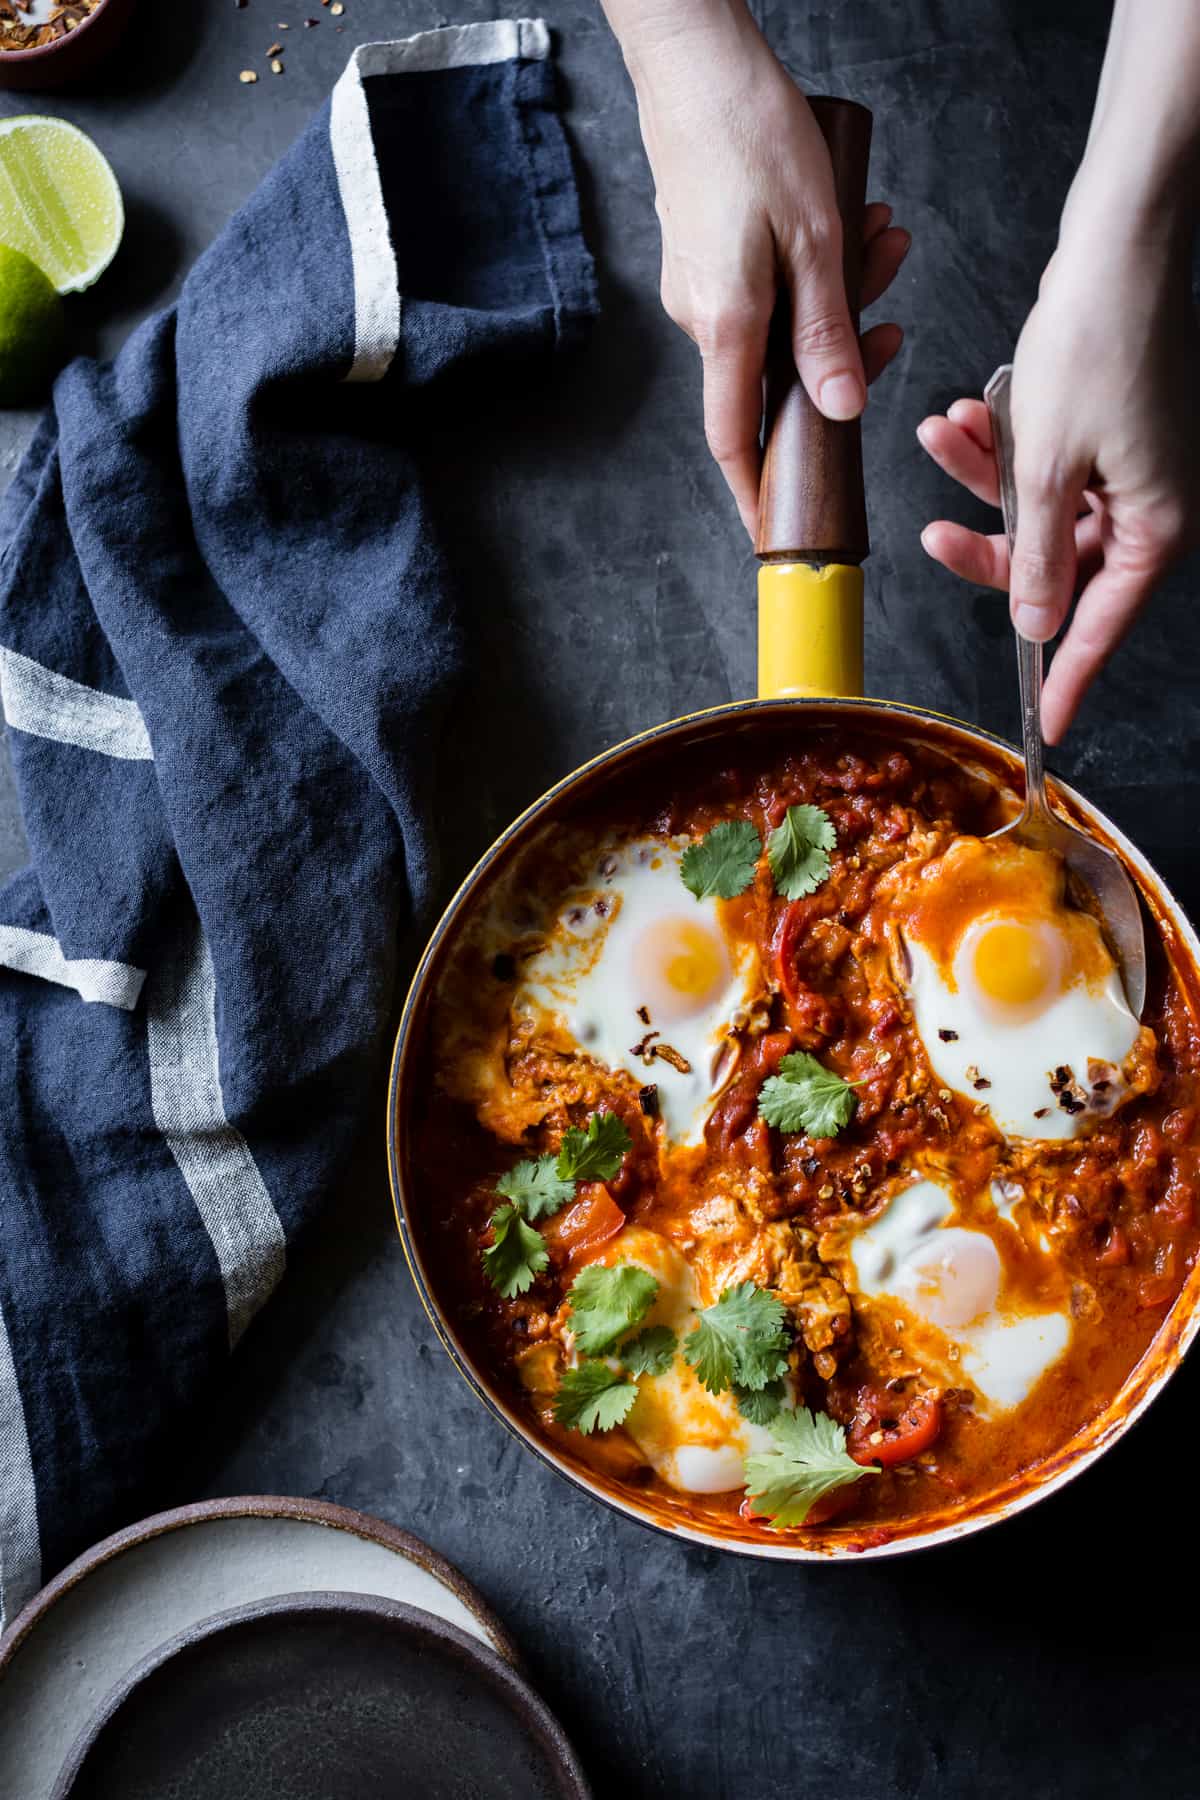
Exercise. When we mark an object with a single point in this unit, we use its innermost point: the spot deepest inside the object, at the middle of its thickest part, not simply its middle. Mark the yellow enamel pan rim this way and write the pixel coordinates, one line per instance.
(1143, 1384)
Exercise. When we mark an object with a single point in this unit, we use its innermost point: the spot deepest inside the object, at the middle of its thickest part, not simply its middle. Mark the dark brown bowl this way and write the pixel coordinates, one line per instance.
(341, 1696)
(67, 59)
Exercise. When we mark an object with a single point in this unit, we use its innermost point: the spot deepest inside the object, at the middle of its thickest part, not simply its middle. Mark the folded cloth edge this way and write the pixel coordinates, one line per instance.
(377, 303)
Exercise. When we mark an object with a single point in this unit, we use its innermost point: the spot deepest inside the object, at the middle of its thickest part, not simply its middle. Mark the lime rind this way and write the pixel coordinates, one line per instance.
(59, 200)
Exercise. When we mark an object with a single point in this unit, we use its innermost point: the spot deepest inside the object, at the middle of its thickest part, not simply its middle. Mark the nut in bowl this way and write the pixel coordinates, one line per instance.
(778, 1159)
(49, 44)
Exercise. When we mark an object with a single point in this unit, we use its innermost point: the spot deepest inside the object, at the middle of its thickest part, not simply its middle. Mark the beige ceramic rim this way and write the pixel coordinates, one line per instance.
(1144, 1382)
(256, 1506)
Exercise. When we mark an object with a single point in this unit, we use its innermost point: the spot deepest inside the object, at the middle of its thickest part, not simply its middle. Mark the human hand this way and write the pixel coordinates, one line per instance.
(1106, 380)
(745, 197)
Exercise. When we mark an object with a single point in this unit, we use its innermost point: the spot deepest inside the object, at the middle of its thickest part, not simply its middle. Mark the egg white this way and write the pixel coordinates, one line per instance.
(1006, 1059)
(951, 1278)
(597, 970)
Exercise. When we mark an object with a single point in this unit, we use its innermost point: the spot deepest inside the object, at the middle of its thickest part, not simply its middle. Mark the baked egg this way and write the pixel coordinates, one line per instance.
(642, 977)
(952, 1295)
(1015, 994)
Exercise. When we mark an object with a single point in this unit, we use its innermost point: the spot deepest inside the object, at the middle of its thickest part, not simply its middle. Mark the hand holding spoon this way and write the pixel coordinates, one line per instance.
(1097, 868)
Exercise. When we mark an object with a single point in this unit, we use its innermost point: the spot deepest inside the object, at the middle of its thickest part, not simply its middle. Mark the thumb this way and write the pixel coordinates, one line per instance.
(824, 341)
(1042, 575)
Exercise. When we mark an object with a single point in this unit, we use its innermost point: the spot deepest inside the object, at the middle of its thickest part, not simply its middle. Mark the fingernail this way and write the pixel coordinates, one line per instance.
(1033, 622)
(923, 434)
(925, 540)
(841, 396)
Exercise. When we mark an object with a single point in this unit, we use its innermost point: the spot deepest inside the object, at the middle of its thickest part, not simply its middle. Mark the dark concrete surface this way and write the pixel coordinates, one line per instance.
(610, 586)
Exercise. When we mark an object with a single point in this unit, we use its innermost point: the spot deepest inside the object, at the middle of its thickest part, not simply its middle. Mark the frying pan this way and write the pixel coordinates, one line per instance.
(812, 539)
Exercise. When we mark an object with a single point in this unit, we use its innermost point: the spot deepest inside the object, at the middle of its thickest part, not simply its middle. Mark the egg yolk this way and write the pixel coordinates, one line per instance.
(1013, 964)
(679, 966)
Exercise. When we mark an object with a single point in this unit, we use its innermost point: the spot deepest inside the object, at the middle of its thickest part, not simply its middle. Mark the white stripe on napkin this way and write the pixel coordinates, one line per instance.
(37, 953)
(213, 1156)
(457, 47)
(376, 287)
(45, 704)
(20, 1539)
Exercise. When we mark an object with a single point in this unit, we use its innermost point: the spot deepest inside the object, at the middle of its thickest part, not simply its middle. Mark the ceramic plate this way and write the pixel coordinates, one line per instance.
(323, 1697)
(122, 1601)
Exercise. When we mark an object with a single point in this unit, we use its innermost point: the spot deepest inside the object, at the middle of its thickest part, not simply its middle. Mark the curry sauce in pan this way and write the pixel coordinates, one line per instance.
(784, 1152)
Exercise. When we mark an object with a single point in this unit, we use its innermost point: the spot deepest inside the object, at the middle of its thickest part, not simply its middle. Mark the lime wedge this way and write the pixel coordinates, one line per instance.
(59, 200)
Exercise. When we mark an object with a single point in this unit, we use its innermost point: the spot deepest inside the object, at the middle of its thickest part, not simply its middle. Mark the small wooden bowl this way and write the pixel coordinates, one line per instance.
(67, 59)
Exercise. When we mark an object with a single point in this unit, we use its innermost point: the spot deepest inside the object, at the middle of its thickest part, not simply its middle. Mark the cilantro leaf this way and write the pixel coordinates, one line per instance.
(605, 1302)
(594, 1154)
(536, 1187)
(798, 851)
(740, 1340)
(805, 1096)
(651, 1352)
(723, 862)
(593, 1397)
(809, 1460)
(761, 1407)
(518, 1254)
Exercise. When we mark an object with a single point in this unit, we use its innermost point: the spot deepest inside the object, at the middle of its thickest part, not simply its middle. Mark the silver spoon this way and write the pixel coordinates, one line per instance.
(1098, 869)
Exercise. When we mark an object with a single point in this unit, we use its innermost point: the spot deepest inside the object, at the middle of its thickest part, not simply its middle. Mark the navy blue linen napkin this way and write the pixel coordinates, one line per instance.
(225, 634)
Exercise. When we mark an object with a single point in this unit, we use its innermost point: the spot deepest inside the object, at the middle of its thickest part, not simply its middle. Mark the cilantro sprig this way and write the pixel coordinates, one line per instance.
(607, 1302)
(759, 1408)
(798, 850)
(536, 1187)
(517, 1254)
(651, 1352)
(594, 1154)
(806, 1096)
(593, 1397)
(722, 862)
(540, 1186)
(741, 1341)
(809, 1459)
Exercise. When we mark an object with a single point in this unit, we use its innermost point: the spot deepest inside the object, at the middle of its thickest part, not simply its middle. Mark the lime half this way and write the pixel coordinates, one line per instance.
(59, 200)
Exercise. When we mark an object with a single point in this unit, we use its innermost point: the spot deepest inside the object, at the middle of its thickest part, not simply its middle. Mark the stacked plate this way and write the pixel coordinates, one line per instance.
(268, 1646)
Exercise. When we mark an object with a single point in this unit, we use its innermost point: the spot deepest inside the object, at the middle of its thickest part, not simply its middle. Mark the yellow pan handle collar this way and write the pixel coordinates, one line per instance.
(810, 631)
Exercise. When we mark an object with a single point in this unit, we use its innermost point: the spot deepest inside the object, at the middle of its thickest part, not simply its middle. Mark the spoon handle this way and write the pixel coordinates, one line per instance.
(1029, 655)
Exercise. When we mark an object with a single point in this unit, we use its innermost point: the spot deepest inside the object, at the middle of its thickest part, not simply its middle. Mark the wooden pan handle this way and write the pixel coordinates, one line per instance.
(812, 507)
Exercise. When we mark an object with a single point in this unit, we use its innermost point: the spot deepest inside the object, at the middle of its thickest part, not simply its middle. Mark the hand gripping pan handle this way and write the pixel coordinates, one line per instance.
(812, 525)
(812, 507)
